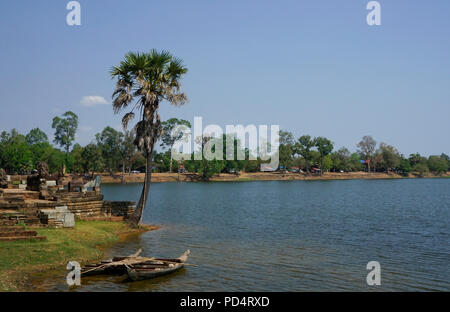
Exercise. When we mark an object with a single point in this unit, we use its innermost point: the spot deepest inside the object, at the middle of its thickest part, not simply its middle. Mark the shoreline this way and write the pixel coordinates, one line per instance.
(261, 176)
(20, 262)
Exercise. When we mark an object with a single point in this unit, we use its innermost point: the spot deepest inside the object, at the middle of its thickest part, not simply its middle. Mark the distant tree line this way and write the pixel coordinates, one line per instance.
(111, 151)
(307, 152)
(114, 151)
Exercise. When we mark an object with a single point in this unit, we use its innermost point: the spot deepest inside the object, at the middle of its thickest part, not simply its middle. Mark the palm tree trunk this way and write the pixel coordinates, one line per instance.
(136, 218)
(170, 169)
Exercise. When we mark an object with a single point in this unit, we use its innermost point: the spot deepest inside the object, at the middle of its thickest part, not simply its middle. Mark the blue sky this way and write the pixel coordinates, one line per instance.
(312, 67)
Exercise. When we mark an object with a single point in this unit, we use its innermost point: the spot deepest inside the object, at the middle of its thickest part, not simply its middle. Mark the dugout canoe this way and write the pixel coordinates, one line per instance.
(156, 267)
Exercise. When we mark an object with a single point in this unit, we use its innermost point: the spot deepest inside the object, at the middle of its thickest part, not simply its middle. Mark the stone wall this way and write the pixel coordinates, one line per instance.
(82, 205)
(91, 204)
(118, 208)
(58, 217)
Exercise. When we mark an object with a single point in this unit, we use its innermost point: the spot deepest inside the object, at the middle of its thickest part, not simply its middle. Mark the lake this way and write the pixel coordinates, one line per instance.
(292, 235)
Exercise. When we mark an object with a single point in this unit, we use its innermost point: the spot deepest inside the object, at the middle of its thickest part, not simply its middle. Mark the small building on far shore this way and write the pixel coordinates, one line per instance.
(267, 168)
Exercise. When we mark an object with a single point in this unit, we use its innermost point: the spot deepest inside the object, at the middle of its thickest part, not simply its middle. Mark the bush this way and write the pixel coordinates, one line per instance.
(437, 164)
(421, 169)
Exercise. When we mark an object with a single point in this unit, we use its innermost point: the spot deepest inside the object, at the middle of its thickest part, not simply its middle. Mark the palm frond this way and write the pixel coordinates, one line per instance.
(126, 119)
(147, 79)
(176, 99)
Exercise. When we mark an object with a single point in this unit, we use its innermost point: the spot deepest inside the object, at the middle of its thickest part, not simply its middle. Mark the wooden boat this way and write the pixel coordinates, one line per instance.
(156, 267)
(105, 267)
(114, 266)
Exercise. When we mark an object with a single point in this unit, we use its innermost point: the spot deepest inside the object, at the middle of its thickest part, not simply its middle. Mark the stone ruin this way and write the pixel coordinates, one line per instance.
(3, 179)
(58, 217)
(38, 181)
(42, 199)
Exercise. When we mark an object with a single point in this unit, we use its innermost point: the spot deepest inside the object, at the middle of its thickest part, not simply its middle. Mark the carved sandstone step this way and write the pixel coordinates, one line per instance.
(17, 233)
(11, 228)
(32, 221)
(22, 238)
(110, 219)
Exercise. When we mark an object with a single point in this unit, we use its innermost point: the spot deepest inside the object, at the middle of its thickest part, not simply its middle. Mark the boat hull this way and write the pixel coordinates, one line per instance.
(137, 274)
(156, 268)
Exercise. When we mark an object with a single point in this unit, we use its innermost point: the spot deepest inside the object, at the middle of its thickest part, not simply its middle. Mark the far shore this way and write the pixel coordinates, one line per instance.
(258, 176)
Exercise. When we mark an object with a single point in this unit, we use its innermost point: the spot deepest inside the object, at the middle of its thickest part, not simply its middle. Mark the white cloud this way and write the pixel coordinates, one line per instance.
(93, 100)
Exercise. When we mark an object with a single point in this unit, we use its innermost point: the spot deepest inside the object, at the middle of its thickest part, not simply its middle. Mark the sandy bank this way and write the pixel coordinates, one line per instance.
(257, 176)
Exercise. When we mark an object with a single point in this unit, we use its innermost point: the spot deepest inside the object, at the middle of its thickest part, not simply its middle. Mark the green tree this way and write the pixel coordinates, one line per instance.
(65, 130)
(78, 160)
(138, 161)
(173, 131)
(342, 159)
(421, 169)
(327, 163)
(324, 147)
(208, 168)
(144, 81)
(404, 166)
(36, 136)
(55, 158)
(38, 151)
(162, 160)
(355, 162)
(415, 159)
(230, 157)
(93, 159)
(303, 148)
(390, 156)
(447, 159)
(127, 150)
(376, 160)
(437, 164)
(252, 165)
(15, 154)
(286, 148)
(110, 143)
(419, 164)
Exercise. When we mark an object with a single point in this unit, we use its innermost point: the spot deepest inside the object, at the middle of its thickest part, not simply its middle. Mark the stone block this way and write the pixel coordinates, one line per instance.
(49, 213)
(61, 209)
(51, 183)
(69, 220)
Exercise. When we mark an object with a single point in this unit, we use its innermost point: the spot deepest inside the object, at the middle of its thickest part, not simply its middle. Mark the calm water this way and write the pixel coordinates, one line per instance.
(293, 235)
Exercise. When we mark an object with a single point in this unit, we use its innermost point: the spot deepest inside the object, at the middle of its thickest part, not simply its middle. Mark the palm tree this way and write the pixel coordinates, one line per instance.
(144, 80)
